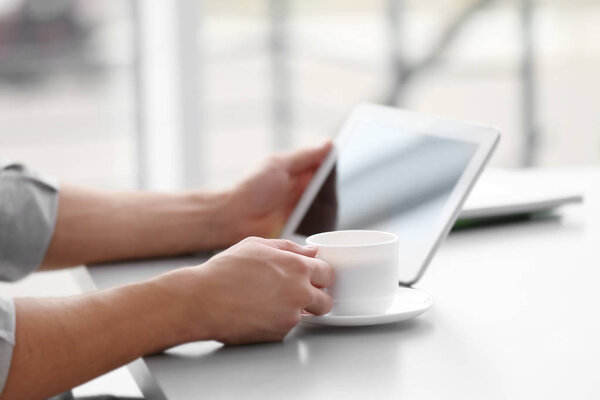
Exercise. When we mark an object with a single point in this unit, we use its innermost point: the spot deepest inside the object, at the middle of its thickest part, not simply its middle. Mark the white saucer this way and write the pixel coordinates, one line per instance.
(409, 303)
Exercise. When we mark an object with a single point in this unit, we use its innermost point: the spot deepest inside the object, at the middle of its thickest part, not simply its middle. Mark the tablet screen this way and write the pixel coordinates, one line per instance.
(391, 180)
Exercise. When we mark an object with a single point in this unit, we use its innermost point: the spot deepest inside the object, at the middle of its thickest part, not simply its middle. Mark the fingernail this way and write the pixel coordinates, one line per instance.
(311, 248)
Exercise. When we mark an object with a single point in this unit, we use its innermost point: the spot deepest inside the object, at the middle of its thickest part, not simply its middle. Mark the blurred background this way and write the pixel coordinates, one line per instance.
(167, 94)
(125, 93)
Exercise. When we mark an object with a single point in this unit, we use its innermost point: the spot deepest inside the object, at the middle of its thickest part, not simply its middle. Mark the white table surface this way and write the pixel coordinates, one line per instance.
(515, 317)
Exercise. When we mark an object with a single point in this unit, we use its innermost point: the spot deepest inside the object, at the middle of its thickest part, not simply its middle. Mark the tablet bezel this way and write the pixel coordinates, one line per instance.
(486, 137)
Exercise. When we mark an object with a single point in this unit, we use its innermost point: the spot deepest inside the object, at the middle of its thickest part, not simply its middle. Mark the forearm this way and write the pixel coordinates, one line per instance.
(63, 342)
(96, 226)
(252, 292)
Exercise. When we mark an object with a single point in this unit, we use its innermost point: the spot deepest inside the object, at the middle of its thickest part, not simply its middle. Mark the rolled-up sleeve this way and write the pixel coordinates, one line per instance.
(28, 207)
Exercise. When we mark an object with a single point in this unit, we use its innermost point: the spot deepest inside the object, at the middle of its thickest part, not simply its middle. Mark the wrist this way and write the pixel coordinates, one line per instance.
(148, 312)
(183, 308)
(217, 222)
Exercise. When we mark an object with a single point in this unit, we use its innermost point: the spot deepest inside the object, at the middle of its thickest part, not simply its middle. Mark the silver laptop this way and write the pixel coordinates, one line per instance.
(511, 193)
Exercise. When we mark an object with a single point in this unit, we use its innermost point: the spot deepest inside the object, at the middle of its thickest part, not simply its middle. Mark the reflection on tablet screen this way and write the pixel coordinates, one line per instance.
(390, 180)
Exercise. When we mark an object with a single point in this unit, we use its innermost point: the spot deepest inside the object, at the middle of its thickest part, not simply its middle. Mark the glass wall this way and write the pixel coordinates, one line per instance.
(276, 74)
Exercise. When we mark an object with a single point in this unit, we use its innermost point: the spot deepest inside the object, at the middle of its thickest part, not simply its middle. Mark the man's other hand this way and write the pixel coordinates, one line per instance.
(253, 292)
(261, 204)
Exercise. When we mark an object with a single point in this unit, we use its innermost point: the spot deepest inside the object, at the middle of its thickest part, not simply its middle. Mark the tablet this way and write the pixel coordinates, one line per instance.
(398, 171)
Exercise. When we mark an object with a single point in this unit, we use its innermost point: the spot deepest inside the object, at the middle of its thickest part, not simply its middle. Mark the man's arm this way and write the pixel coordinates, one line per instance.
(95, 226)
(63, 342)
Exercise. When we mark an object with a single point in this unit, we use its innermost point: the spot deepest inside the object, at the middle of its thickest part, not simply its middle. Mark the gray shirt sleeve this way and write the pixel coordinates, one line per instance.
(7, 337)
(28, 207)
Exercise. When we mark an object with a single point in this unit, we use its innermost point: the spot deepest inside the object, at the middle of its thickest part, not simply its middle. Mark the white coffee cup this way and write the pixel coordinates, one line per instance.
(366, 269)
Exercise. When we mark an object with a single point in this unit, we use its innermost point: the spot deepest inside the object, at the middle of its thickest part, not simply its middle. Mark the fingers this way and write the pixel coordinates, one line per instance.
(288, 245)
(320, 273)
(321, 303)
(301, 181)
(302, 160)
(304, 274)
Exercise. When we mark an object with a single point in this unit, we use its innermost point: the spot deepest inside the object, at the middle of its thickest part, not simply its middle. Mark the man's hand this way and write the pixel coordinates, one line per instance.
(95, 226)
(253, 292)
(261, 203)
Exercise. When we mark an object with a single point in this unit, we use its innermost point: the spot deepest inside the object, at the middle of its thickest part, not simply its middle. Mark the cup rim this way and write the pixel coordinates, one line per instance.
(393, 238)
